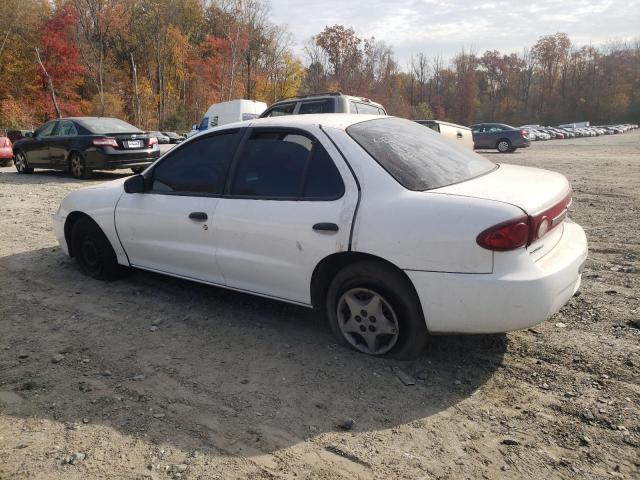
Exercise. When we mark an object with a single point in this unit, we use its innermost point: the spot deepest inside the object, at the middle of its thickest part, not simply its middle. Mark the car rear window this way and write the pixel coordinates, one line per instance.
(108, 125)
(417, 157)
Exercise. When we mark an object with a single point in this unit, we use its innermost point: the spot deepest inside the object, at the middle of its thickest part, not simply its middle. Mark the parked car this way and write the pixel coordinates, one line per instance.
(452, 131)
(504, 138)
(83, 144)
(162, 138)
(333, 102)
(173, 137)
(229, 112)
(6, 152)
(389, 228)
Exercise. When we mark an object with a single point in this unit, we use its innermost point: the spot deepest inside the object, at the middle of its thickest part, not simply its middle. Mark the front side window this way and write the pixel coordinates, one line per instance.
(322, 106)
(46, 130)
(285, 165)
(196, 167)
(280, 110)
(417, 157)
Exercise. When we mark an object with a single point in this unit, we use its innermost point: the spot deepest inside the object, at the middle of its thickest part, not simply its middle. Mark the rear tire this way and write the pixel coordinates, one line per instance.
(503, 145)
(21, 163)
(93, 251)
(389, 321)
(78, 166)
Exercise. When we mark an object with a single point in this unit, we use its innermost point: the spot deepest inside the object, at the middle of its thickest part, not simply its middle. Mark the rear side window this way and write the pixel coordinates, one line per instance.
(197, 167)
(417, 157)
(280, 110)
(287, 165)
(366, 109)
(66, 129)
(323, 106)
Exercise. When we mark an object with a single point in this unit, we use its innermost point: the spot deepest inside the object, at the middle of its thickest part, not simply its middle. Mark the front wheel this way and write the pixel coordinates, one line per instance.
(503, 145)
(373, 308)
(78, 167)
(21, 163)
(93, 251)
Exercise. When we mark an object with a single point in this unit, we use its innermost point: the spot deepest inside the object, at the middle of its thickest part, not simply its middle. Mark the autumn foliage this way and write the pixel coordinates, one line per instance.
(161, 63)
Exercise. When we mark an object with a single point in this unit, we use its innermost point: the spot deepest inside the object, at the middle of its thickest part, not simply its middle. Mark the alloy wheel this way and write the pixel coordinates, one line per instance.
(77, 168)
(367, 321)
(503, 146)
(21, 163)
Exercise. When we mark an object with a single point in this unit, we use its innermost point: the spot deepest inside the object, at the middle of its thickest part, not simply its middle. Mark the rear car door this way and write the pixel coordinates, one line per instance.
(168, 228)
(290, 202)
(61, 143)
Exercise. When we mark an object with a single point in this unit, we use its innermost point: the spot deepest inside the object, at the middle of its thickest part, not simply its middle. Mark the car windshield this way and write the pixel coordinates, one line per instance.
(417, 157)
(108, 125)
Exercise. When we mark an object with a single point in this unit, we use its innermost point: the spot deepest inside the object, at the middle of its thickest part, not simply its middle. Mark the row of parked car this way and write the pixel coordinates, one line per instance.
(560, 133)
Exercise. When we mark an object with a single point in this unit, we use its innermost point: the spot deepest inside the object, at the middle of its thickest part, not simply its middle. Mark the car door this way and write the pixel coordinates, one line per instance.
(37, 151)
(169, 227)
(60, 144)
(290, 202)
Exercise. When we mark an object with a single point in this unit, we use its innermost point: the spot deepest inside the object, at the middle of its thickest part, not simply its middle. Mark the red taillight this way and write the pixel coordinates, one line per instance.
(523, 134)
(105, 142)
(544, 222)
(505, 236)
(152, 141)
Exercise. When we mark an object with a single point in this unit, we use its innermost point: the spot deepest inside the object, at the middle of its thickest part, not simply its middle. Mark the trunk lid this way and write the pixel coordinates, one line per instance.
(543, 195)
(130, 141)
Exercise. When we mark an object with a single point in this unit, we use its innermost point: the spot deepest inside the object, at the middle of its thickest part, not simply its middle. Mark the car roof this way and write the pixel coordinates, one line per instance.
(320, 96)
(340, 121)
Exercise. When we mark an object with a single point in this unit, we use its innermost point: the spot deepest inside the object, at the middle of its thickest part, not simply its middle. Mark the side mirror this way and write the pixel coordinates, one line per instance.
(135, 184)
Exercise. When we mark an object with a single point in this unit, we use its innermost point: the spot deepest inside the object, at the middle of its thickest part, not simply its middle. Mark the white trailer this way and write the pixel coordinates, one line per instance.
(229, 112)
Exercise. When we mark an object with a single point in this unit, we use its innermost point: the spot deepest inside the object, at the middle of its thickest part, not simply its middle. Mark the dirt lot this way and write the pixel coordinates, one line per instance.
(162, 378)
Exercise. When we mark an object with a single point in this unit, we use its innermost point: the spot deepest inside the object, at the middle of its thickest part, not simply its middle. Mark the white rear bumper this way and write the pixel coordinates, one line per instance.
(518, 294)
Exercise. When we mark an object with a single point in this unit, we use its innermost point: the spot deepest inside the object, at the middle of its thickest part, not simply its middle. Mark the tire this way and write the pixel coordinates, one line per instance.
(78, 166)
(137, 170)
(21, 163)
(93, 251)
(400, 333)
(512, 149)
(503, 145)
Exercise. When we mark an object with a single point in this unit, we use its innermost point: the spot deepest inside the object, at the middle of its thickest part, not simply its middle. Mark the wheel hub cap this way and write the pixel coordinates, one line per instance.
(367, 321)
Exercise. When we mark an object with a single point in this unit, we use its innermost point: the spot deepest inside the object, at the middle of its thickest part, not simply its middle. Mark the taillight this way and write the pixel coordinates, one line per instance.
(505, 236)
(105, 142)
(544, 222)
(523, 134)
(152, 141)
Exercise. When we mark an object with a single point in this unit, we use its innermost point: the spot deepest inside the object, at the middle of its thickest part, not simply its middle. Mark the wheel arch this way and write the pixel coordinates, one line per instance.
(70, 221)
(329, 266)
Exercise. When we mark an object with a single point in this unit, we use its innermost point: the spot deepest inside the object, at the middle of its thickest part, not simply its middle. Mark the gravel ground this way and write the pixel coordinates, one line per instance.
(154, 377)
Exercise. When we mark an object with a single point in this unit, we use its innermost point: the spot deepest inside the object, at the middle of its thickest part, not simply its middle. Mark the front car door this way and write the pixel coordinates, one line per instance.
(37, 151)
(290, 202)
(169, 228)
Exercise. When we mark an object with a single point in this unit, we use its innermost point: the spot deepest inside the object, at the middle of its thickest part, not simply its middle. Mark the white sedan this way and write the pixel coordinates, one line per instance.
(390, 229)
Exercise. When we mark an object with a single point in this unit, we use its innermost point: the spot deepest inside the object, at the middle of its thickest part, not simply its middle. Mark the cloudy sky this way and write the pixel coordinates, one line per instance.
(444, 26)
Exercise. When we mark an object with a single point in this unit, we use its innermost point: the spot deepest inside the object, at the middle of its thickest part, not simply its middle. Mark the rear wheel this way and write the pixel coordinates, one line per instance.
(21, 163)
(78, 166)
(93, 251)
(373, 308)
(503, 145)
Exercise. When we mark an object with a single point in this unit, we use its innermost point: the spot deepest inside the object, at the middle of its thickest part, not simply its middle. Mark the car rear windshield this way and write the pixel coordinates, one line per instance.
(417, 157)
(108, 125)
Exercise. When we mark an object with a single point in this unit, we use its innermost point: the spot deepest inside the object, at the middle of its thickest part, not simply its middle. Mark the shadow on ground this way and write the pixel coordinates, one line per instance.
(202, 367)
(58, 176)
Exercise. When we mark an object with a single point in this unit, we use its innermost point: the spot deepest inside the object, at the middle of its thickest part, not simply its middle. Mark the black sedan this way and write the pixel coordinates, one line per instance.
(173, 137)
(83, 144)
(504, 138)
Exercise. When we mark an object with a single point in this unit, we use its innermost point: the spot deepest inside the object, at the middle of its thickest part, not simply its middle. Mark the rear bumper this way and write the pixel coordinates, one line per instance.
(108, 158)
(518, 294)
(521, 143)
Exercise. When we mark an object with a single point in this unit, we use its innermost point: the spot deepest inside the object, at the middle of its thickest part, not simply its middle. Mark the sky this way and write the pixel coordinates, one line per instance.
(440, 27)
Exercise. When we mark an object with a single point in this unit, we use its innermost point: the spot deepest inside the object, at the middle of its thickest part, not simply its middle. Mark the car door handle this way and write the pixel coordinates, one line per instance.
(325, 227)
(198, 216)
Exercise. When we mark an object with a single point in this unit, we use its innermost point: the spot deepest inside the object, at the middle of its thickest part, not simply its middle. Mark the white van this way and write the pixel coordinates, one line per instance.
(229, 112)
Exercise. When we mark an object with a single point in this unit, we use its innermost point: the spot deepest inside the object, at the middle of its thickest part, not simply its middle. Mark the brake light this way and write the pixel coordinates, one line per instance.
(153, 141)
(544, 222)
(523, 134)
(105, 142)
(505, 236)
